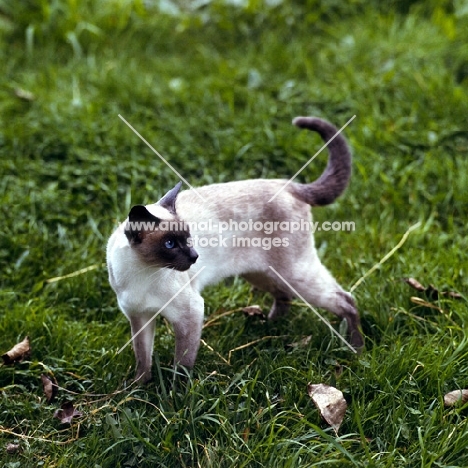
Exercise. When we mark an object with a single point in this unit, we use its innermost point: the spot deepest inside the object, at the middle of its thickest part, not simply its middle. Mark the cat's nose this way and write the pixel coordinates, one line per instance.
(193, 255)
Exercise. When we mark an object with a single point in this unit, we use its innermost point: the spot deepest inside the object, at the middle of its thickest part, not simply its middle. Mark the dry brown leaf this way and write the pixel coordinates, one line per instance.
(11, 448)
(454, 295)
(254, 311)
(431, 291)
(67, 412)
(455, 397)
(330, 402)
(50, 387)
(302, 343)
(19, 352)
(415, 284)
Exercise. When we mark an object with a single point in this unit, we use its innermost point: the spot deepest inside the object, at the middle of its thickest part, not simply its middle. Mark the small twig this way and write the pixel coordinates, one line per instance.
(75, 273)
(422, 303)
(386, 257)
(251, 344)
(39, 439)
(409, 314)
(421, 319)
(204, 343)
(96, 410)
(217, 317)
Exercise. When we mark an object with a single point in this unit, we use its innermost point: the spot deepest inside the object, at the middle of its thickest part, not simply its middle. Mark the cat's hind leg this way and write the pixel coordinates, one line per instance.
(316, 285)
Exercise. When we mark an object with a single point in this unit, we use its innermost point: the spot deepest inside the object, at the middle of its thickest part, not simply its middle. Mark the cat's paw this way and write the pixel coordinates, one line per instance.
(357, 341)
(142, 378)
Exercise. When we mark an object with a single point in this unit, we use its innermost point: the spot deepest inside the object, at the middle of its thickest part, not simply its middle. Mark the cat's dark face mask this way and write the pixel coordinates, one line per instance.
(161, 243)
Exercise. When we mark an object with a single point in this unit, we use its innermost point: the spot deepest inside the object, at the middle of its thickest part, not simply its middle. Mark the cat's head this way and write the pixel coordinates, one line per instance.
(161, 238)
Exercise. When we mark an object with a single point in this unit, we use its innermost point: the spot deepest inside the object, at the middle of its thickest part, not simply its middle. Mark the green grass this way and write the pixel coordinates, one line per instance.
(214, 89)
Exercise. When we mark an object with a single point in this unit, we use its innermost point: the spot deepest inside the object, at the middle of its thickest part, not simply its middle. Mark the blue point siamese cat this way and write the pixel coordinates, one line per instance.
(152, 255)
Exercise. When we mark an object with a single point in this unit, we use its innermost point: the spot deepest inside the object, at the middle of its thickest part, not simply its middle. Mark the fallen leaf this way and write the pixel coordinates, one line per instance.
(254, 311)
(415, 284)
(454, 295)
(50, 387)
(67, 412)
(11, 448)
(431, 291)
(19, 352)
(330, 403)
(302, 343)
(457, 396)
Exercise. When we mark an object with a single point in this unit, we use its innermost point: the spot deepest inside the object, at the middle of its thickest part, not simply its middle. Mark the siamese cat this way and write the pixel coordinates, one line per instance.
(164, 254)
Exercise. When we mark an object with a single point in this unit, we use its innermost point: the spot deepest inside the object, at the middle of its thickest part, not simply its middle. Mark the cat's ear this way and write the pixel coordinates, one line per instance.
(140, 221)
(169, 200)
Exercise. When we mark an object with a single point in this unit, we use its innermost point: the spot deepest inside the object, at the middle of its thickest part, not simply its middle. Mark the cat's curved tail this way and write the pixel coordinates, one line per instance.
(334, 179)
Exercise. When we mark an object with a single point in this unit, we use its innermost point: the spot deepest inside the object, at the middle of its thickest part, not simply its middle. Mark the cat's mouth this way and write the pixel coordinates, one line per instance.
(186, 263)
(181, 267)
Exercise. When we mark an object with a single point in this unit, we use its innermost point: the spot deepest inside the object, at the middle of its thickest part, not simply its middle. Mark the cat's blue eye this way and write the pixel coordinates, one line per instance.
(169, 244)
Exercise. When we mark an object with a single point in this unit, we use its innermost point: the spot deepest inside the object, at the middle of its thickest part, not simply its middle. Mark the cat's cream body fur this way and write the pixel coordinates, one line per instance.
(143, 288)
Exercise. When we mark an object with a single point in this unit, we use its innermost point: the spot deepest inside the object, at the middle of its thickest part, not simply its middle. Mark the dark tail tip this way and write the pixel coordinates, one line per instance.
(334, 179)
(324, 128)
(303, 122)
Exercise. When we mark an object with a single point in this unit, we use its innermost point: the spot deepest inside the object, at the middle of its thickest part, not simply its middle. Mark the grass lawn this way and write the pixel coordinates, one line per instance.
(214, 87)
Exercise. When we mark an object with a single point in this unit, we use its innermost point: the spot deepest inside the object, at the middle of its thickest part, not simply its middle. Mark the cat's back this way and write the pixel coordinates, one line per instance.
(253, 198)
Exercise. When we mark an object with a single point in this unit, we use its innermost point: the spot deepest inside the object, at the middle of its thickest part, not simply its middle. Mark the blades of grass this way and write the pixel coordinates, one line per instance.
(157, 365)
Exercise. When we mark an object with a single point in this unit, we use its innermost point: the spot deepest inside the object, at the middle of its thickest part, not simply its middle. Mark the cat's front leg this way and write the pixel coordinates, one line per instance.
(188, 326)
(143, 339)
